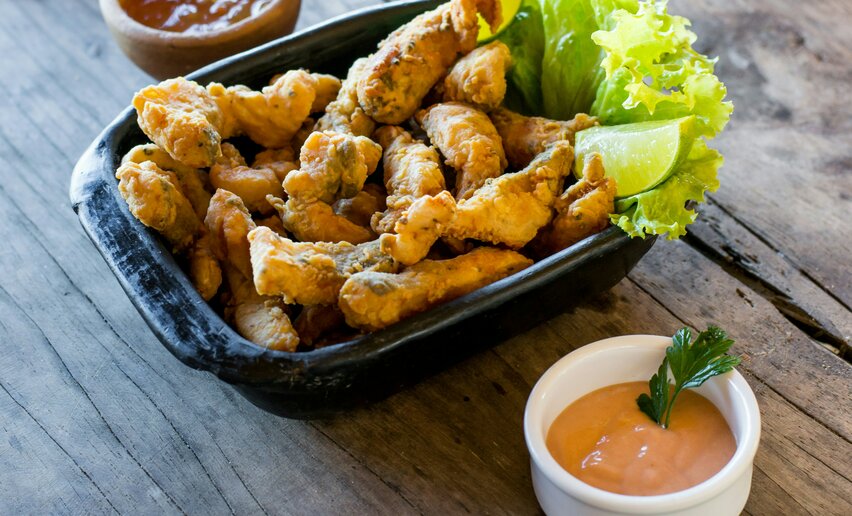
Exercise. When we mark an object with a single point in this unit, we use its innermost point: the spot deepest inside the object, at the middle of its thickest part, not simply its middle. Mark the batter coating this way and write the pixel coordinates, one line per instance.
(373, 300)
(412, 59)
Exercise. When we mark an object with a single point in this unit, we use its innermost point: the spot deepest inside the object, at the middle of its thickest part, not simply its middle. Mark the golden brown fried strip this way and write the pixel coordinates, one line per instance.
(468, 140)
(193, 182)
(344, 114)
(315, 221)
(228, 224)
(332, 166)
(260, 319)
(525, 137)
(309, 273)
(479, 78)
(412, 59)
(373, 300)
(204, 269)
(272, 116)
(411, 170)
(512, 208)
(250, 184)
(280, 161)
(421, 225)
(361, 208)
(317, 321)
(182, 119)
(154, 197)
(582, 210)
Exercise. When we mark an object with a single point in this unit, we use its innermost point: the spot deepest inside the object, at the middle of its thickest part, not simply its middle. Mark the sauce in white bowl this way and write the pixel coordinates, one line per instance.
(631, 359)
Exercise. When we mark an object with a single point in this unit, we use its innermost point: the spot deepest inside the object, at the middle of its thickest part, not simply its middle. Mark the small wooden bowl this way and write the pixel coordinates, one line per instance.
(165, 54)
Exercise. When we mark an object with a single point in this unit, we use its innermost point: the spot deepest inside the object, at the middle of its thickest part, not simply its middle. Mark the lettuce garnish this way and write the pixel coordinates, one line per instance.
(624, 61)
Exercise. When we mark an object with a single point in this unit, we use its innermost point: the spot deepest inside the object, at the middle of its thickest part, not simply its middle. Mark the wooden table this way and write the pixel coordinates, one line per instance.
(96, 416)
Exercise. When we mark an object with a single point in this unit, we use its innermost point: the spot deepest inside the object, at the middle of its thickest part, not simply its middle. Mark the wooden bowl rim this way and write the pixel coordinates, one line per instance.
(115, 15)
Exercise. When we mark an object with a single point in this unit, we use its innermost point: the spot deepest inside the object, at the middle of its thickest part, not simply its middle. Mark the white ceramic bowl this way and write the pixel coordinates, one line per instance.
(626, 359)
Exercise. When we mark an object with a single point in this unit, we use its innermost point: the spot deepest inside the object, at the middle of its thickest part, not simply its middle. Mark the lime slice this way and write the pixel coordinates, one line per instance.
(638, 156)
(510, 7)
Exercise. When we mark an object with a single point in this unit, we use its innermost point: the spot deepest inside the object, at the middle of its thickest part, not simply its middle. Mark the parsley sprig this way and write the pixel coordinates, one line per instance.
(692, 363)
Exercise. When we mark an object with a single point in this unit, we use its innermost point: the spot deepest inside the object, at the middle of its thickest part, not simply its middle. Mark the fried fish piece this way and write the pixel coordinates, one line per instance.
(512, 208)
(421, 225)
(228, 224)
(469, 142)
(315, 221)
(316, 321)
(272, 116)
(204, 269)
(479, 78)
(525, 137)
(260, 319)
(582, 210)
(280, 161)
(309, 273)
(154, 197)
(182, 119)
(412, 170)
(373, 300)
(361, 208)
(193, 182)
(332, 166)
(344, 114)
(412, 59)
(250, 184)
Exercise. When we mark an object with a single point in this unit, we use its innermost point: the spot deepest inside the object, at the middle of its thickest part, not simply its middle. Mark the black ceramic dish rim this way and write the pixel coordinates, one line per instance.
(237, 360)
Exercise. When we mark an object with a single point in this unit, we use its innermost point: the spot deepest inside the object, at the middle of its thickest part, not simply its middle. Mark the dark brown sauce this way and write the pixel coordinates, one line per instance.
(192, 16)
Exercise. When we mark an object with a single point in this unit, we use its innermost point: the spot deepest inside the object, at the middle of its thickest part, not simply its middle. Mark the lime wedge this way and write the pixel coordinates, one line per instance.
(638, 156)
(510, 8)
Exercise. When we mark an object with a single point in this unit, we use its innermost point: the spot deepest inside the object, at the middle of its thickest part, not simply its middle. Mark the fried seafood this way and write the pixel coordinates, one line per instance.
(204, 269)
(317, 321)
(228, 224)
(193, 182)
(469, 142)
(525, 137)
(251, 184)
(512, 208)
(373, 300)
(479, 78)
(420, 226)
(412, 59)
(272, 116)
(309, 273)
(332, 166)
(412, 169)
(260, 319)
(154, 197)
(361, 208)
(344, 114)
(183, 119)
(582, 210)
(315, 221)
(280, 161)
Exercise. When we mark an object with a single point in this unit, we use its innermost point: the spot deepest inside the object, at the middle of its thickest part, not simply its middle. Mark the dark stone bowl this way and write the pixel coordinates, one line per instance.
(323, 381)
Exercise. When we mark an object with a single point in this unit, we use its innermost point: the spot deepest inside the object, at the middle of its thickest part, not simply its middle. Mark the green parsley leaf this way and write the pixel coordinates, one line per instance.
(692, 363)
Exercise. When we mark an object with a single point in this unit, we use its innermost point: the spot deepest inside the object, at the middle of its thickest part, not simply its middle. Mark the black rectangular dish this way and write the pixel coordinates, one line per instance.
(313, 383)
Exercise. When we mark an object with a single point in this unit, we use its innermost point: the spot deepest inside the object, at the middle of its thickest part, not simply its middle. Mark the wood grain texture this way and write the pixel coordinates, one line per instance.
(96, 417)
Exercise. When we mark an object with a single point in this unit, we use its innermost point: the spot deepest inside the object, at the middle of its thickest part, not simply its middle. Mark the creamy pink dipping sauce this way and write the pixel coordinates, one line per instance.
(192, 16)
(604, 440)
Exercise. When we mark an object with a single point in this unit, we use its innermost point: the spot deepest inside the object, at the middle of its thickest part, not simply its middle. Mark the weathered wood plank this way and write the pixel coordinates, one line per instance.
(770, 274)
(806, 374)
(788, 173)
